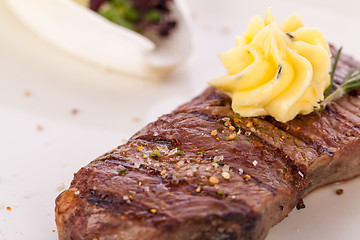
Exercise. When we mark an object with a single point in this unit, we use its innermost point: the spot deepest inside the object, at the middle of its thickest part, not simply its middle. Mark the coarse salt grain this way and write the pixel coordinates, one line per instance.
(225, 119)
(163, 149)
(241, 171)
(225, 175)
(226, 168)
(219, 158)
(174, 151)
(254, 163)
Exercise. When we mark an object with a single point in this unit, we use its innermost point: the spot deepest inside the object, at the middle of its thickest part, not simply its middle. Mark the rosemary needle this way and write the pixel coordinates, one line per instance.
(332, 74)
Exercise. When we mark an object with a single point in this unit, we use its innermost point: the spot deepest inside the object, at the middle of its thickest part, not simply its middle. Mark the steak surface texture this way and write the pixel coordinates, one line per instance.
(200, 173)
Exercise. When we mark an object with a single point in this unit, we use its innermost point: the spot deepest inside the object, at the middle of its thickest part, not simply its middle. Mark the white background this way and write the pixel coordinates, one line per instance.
(34, 163)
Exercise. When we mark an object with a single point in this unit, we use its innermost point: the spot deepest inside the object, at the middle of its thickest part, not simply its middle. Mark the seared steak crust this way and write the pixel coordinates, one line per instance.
(179, 179)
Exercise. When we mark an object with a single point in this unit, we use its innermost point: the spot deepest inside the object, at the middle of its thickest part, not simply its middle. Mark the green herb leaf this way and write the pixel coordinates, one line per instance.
(221, 192)
(132, 15)
(237, 115)
(202, 153)
(153, 15)
(179, 152)
(117, 17)
(154, 154)
(122, 172)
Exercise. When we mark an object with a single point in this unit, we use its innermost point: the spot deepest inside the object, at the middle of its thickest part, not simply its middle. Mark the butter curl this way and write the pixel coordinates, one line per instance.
(277, 69)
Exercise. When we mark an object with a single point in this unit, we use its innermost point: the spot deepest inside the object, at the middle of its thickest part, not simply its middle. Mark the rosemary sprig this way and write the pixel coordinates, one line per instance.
(351, 82)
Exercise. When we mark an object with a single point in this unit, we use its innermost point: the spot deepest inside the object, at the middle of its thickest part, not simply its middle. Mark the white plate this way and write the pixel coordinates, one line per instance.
(34, 163)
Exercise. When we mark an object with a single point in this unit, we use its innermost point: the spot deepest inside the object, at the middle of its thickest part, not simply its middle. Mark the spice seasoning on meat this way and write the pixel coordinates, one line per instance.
(214, 133)
(247, 177)
(214, 180)
(122, 172)
(163, 172)
(153, 210)
(154, 154)
(231, 137)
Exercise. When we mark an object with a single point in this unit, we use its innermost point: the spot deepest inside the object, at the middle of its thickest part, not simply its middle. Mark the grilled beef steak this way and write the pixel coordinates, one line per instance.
(201, 173)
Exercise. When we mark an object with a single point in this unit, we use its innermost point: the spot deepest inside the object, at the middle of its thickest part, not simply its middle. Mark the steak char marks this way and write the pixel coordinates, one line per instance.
(179, 179)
